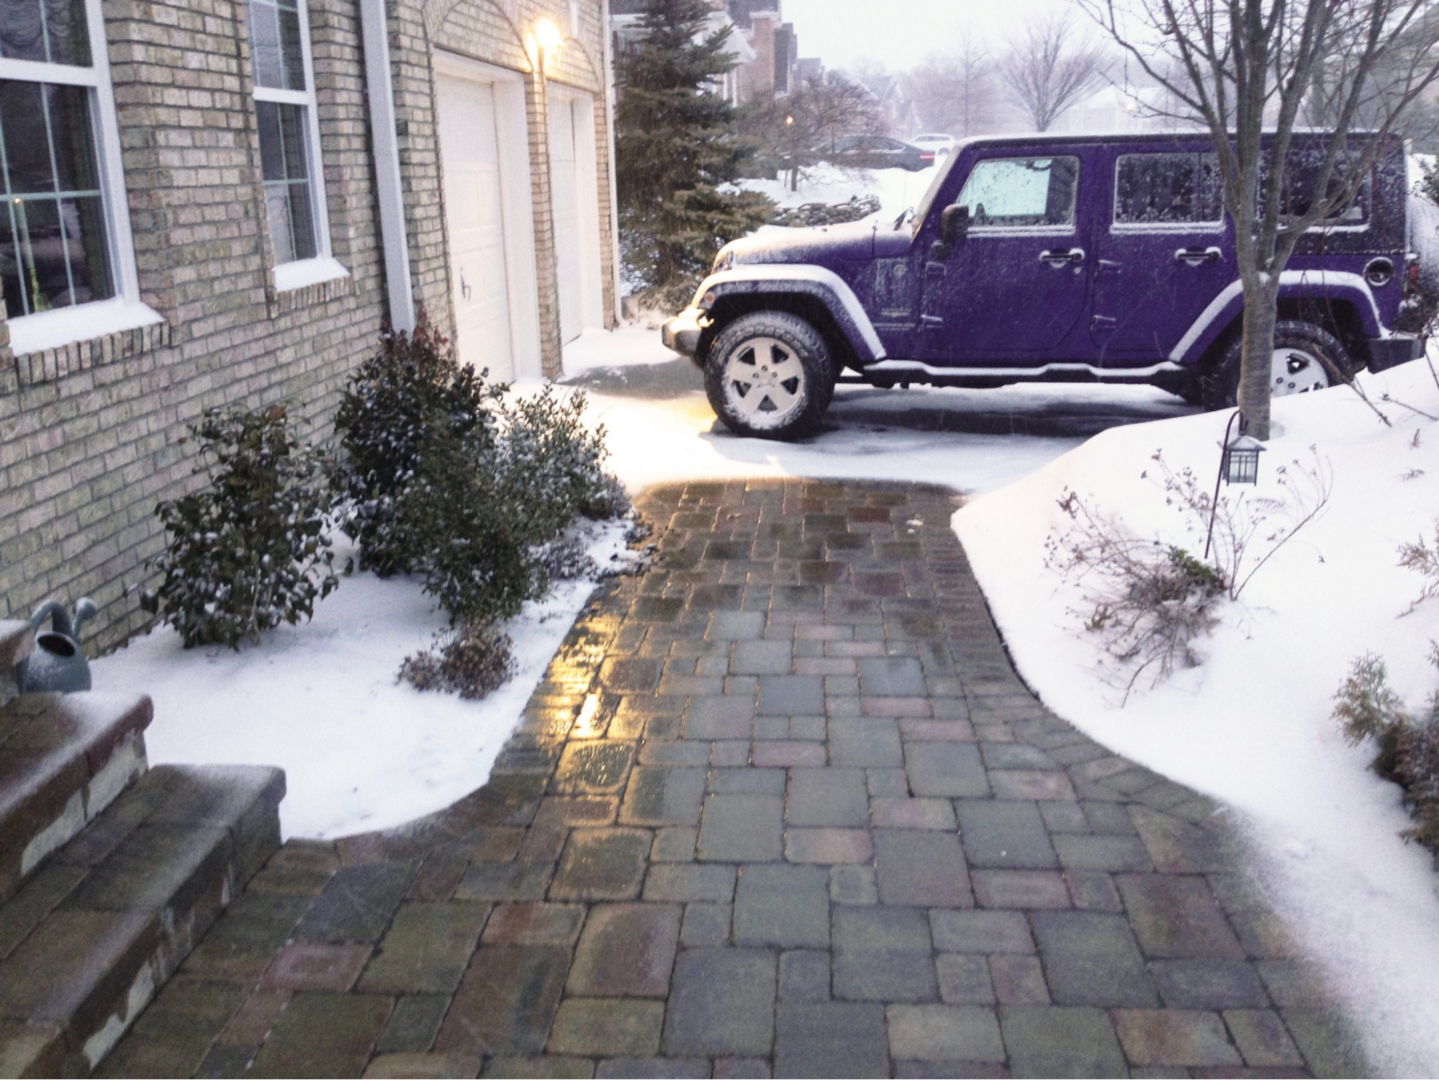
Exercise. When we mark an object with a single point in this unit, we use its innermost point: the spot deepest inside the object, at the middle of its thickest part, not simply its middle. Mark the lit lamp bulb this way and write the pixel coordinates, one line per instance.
(548, 39)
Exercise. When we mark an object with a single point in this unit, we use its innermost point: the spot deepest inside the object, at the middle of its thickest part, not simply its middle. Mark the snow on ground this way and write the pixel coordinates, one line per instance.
(360, 750)
(1252, 724)
(661, 427)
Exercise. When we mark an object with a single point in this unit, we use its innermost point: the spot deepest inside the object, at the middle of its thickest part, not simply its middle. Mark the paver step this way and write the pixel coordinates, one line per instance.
(63, 759)
(17, 641)
(88, 941)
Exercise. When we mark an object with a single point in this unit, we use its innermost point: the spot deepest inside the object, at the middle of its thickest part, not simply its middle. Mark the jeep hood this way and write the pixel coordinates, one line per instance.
(820, 244)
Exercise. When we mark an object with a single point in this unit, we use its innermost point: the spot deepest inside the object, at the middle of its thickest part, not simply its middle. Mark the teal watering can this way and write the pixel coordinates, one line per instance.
(57, 664)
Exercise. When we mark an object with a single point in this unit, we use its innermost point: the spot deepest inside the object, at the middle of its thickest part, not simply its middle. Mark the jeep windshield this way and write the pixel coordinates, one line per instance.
(922, 210)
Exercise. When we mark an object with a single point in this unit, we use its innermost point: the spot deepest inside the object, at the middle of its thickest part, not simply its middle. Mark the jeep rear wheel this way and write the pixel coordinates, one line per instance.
(1305, 358)
(768, 376)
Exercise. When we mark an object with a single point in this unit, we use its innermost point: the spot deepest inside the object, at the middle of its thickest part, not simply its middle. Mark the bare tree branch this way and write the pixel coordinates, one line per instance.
(1050, 69)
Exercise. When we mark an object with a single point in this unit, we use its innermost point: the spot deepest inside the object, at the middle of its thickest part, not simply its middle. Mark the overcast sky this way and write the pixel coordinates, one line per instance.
(900, 33)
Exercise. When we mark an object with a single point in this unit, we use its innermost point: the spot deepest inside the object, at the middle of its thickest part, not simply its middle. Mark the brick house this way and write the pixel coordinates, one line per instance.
(219, 201)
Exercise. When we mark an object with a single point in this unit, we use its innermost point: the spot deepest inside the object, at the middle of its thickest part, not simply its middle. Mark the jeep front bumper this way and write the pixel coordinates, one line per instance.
(682, 333)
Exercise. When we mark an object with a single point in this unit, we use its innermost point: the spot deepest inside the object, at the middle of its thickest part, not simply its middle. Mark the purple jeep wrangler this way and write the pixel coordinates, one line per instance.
(1059, 258)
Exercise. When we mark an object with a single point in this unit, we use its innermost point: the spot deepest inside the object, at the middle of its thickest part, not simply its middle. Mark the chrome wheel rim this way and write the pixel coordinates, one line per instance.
(763, 382)
(1296, 371)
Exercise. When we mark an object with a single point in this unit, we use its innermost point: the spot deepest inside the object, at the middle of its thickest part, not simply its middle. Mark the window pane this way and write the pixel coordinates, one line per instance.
(276, 45)
(1022, 191)
(53, 244)
(44, 30)
(1179, 188)
(285, 166)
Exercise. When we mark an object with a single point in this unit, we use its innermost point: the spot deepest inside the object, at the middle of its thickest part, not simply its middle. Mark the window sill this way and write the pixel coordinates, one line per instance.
(69, 326)
(298, 275)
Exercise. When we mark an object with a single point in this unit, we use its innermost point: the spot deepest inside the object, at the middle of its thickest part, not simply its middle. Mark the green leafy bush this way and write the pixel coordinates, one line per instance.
(248, 551)
(411, 391)
(1368, 708)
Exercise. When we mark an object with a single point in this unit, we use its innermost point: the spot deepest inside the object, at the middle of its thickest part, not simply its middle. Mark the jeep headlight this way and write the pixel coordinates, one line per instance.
(723, 261)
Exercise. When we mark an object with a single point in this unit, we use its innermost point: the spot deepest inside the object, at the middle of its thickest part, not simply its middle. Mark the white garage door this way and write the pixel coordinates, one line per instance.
(474, 208)
(575, 197)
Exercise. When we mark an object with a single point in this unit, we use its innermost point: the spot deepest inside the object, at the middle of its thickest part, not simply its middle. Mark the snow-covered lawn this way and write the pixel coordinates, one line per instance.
(360, 750)
(1251, 725)
(898, 189)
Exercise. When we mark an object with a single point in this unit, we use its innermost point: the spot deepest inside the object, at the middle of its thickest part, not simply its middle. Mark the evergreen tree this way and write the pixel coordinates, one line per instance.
(676, 148)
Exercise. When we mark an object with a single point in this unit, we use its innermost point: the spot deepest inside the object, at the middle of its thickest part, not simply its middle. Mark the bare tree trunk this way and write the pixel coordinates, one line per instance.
(1257, 357)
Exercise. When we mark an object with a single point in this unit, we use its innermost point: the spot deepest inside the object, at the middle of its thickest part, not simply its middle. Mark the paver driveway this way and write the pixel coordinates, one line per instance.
(780, 805)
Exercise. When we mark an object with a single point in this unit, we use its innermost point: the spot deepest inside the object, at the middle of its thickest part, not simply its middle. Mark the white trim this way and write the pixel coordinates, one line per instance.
(389, 187)
(1320, 278)
(45, 71)
(301, 272)
(516, 178)
(83, 322)
(1021, 230)
(801, 272)
(283, 97)
(117, 202)
(885, 367)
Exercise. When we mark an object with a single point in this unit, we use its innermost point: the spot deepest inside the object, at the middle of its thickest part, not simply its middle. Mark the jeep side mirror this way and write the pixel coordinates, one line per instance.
(953, 229)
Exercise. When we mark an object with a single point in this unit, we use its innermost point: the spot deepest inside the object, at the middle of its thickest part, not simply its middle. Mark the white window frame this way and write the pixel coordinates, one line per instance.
(322, 266)
(123, 311)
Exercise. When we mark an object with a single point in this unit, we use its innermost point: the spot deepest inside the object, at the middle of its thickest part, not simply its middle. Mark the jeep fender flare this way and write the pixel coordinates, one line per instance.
(805, 280)
(1225, 308)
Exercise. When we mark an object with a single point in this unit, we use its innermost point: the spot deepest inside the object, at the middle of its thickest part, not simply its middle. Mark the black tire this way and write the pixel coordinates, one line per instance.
(784, 403)
(1317, 362)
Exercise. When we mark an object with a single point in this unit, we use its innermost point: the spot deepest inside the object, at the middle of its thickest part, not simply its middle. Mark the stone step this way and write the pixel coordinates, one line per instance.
(89, 940)
(63, 759)
(17, 641)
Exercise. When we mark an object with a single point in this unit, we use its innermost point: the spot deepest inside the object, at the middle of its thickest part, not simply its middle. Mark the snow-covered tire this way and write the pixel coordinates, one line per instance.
(1306, 358)
(769, 376)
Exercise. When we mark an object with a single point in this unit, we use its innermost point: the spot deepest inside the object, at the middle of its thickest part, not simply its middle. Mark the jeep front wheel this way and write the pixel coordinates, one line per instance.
(1305, 358)
(768, 374)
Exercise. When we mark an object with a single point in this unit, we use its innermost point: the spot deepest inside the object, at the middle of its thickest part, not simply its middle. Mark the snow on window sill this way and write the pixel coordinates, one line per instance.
(297, 275)
(84, 322)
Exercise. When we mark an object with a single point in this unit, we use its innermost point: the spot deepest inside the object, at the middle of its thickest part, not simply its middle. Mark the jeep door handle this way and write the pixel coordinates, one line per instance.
(1198, 256)
(1062, 256)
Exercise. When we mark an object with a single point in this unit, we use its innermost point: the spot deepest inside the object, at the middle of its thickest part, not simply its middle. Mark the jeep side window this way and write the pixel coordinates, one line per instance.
(1301, 179)
(1021, 192)
(1167, 188)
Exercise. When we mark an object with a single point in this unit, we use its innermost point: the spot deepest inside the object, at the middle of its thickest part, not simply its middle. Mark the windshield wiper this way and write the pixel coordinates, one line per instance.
(903, 217)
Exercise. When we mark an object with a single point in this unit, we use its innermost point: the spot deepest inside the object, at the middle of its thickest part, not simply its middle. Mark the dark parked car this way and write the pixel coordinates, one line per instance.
(878, 152)
(1060, 258)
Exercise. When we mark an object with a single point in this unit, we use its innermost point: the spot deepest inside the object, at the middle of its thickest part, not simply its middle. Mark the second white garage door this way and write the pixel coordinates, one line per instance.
(575, 195)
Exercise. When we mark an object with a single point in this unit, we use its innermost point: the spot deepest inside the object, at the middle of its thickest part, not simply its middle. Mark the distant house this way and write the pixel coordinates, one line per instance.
(219, 203)
(894, 96)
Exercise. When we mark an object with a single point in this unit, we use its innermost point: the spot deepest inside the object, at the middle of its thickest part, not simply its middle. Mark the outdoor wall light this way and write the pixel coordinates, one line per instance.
(548, 41)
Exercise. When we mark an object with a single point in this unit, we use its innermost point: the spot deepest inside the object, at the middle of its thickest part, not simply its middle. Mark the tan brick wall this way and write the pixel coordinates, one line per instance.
(93, 435)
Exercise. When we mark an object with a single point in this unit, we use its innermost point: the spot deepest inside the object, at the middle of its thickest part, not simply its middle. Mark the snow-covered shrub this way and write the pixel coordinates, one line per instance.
(471, 660)
(1368, 708)
(1365, 704)
(404, 394)
(565, 559)
(817, 213)
(248, 551)
(484, 500)
(1419, 556)
(1150, 600)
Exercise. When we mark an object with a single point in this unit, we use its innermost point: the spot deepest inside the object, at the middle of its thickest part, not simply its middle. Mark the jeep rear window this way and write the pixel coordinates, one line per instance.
(1023, 192)
(1168, 188)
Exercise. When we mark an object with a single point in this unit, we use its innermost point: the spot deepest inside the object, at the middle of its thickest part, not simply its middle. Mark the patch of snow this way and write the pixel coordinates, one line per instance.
(360, 750)
(1252, 724)
(897, 189)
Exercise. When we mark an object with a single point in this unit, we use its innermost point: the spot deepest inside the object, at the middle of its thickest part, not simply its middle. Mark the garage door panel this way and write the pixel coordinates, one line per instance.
(474, 208)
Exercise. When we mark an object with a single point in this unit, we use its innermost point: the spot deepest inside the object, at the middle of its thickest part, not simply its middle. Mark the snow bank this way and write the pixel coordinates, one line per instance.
(898, 189)
(1251, 725)
(360, 750)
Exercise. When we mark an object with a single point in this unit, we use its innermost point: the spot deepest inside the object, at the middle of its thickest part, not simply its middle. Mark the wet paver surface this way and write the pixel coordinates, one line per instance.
(780, 807)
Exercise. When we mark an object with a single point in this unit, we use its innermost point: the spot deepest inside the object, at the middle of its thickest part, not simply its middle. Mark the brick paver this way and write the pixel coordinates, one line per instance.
(781, 804)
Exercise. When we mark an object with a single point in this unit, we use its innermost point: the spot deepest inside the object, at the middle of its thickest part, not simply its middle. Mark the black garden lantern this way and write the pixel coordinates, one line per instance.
(1238, 464)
